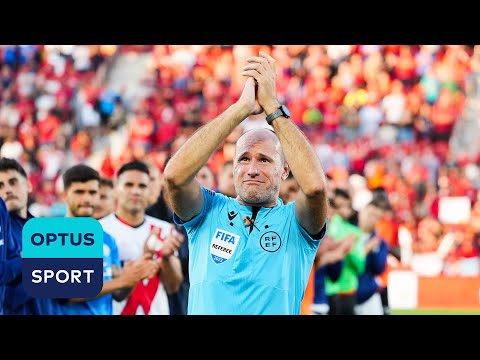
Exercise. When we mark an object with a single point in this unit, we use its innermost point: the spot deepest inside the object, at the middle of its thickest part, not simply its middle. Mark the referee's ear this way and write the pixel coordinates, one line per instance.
(286, 171)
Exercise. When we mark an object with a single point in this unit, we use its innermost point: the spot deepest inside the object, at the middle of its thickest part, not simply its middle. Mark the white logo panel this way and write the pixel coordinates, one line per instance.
(223, 245)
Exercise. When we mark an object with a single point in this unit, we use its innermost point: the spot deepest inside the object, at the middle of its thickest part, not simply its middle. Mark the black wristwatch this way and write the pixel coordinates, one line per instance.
(281, 111)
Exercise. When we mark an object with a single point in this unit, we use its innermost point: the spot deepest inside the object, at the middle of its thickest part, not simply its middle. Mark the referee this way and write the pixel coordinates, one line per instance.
(250, 254)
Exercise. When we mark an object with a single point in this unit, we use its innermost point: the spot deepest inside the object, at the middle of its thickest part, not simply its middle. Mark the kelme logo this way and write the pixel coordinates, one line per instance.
(62, 257)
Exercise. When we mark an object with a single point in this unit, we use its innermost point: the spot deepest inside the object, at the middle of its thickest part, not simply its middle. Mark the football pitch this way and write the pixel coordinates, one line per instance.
(436, 312)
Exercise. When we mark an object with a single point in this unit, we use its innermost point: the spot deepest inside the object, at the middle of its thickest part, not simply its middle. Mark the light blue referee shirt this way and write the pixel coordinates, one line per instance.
(237, 268)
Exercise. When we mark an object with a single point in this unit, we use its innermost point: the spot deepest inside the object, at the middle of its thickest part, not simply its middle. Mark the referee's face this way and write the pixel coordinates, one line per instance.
(259, 168)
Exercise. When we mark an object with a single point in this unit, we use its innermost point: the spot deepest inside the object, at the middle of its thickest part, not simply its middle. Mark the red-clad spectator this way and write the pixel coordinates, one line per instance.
(141, 129)
(81, 146)
(48, 128)
(405, 67)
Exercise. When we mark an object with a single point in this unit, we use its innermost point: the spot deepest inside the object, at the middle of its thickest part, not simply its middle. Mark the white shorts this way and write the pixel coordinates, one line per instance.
(320, 309)
(372, 306)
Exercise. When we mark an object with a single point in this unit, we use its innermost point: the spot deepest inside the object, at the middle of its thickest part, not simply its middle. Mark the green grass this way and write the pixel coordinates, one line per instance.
(437, 312)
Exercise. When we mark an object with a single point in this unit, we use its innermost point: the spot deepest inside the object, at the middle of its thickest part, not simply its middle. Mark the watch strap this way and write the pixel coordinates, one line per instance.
(274, 115)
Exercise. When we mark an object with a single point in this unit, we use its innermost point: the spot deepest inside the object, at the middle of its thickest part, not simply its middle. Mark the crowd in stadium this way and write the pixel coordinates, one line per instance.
(381, 118)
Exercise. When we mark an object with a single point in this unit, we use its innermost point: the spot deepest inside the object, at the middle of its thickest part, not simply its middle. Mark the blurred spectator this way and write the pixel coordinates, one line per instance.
(328, 263)
(206, 177)
(131, 228)
(225, 182)
(159, 208)
(14, 190)
(106, 202)
(342, 203)
(369, 300)
(342, 293)
(289, 189)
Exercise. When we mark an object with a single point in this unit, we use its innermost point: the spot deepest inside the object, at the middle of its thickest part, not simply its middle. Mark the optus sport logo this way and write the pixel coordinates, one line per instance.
(62, 257)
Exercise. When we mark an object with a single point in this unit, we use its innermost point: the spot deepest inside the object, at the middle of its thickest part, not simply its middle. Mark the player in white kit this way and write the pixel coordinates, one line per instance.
(137, 233)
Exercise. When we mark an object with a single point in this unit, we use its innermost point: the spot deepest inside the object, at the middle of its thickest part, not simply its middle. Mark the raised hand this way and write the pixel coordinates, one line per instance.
(372, 245)
(248, 98)
(153, 242)
(262, 69)
(172, 243)
(142, 268)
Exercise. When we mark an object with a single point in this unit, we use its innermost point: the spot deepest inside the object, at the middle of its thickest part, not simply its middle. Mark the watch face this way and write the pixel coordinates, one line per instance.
(285, 111)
